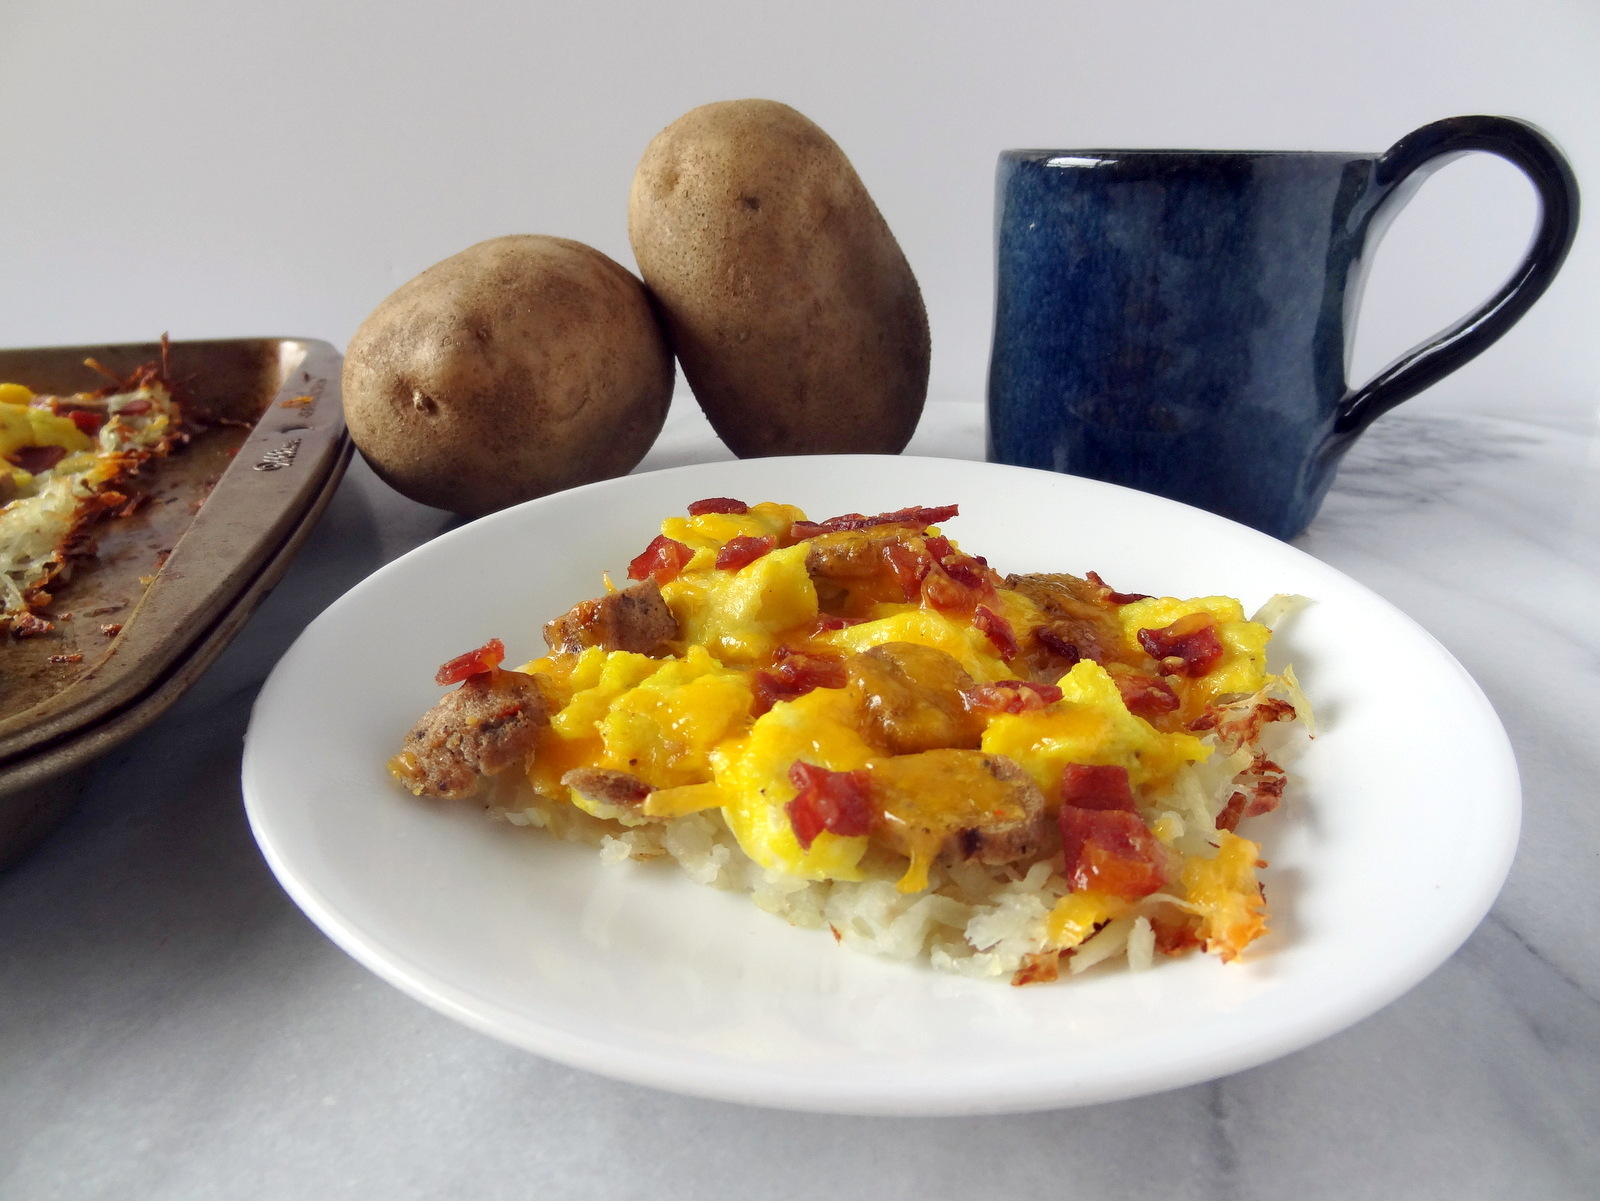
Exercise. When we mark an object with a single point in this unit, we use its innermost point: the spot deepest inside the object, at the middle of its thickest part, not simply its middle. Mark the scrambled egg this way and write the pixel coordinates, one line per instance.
(871, 729)
(764, 685)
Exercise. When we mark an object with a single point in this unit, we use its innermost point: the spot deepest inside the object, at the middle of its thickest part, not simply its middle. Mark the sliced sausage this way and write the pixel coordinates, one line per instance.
(488, 724)
(609, 787)
(910, 698)
(1076, 624)
(953, 805)
(635, 619)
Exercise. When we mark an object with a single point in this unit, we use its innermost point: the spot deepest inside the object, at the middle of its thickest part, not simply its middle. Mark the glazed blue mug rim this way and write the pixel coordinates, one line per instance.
(1035, 155)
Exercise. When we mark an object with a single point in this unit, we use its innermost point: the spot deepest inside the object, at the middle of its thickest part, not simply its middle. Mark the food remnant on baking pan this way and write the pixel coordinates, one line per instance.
(70, 461)
(872, 730)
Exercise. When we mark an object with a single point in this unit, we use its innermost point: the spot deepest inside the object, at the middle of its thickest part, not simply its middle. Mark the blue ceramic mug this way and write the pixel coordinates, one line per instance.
(1180, 320)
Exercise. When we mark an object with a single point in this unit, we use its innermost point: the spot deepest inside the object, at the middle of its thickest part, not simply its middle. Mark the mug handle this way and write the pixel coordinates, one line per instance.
(1410, 161)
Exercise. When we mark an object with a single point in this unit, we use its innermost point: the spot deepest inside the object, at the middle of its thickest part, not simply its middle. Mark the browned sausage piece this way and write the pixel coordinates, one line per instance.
(634, 619)
(1077, 624)
(606, 786)
(488, 724)
(957, 804)
(910, 697)
(849, 556)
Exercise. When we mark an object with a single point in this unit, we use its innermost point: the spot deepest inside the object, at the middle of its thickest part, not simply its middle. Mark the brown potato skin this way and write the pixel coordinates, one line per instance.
(794, 313)
(521, 366)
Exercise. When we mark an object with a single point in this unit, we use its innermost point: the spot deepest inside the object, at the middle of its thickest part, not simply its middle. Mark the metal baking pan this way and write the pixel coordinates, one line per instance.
(172, 583)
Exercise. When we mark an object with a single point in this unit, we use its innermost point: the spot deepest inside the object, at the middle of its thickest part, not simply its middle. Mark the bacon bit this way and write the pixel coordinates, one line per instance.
(111, 629)
(661, 561)
(1009, 696)
(86, 420)
(956, 581)
(1040, 967)
(1116, 598)
(1111, 851)
(1093, 786)
(839, 802)
(1053, 642)
(37, 459)
(744, 550)
(1145, 696)
(834, 930)
(135, 408)
(940, 592)
(909, 566)
(29, 625)
(1264, 782)
(475, 662)
(997, 630)
(717, 504)
(793, 674)
(920, 517)
(1188, 647)
(72, 658)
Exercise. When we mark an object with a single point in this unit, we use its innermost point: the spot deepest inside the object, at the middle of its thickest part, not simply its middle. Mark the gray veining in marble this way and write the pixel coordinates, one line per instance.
(172, 1027)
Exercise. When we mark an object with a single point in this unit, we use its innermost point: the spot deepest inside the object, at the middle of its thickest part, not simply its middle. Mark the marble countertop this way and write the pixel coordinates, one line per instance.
(171, 1026)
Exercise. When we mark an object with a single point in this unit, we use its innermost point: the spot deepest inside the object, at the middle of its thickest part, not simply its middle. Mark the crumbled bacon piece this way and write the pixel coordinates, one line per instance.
(793, 674)
(72, 658)
(717, 504)
(111, 629)
(1111, 851)
(485, 658)
(1038, 968)
(1116, 598)
(661, 561)
(29, 625)
(87, 420)
(1145, 696)
(997, 630)
(839, 802)
(744, 550)
(918, 516)
(37, 459)
(1263, 784)
(1057, 645)
(1009, 696)
(909, 566)
(970, 571)
(1095, 786)
(1188, 647)
(135, 408)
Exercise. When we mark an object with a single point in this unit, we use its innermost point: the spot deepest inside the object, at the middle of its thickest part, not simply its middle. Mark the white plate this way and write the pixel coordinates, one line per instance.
(1391, 847)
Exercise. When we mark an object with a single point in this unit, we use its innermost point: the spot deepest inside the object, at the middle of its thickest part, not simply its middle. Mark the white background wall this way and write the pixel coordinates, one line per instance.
(223, 168)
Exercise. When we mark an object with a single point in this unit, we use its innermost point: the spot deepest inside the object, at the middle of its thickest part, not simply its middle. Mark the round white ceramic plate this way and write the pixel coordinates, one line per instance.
(1393, 842)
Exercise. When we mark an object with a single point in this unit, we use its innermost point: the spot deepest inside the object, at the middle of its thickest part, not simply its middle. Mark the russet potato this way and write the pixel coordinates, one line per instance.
(795, 316)
(521, 366)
